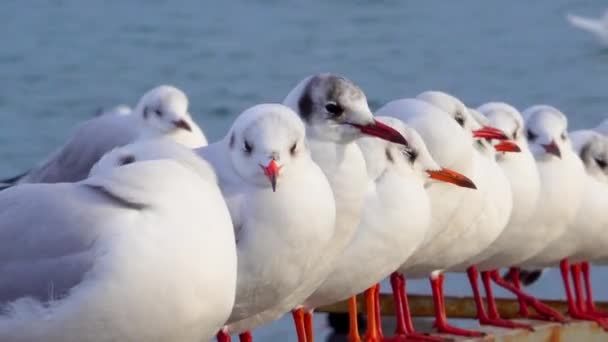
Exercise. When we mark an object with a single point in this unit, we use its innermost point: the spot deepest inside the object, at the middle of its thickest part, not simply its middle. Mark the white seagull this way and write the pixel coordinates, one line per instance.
(451, 146)
(161, 112)
(336, 113)
(142, 250)
(520, 170)
(282, 208)
(559, 199)
(597, 27)
(584, 238)
(395, 217)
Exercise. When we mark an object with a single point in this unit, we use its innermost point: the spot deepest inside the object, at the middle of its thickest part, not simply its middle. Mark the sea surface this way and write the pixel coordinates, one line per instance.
(61, 60)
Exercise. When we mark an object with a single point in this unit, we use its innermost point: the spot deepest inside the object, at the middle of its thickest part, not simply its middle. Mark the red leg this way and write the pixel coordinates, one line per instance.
(222, 336)
(246, 337)
(493, 314)
(572, 307)
(578, 287)
(546, 312)
(586, 270)
(405, 327)
(441, 322)
(298, 319)
(309, 326)
(523, 307)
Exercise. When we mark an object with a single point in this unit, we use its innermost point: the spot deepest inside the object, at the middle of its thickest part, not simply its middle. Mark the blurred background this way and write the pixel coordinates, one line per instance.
(61, 60)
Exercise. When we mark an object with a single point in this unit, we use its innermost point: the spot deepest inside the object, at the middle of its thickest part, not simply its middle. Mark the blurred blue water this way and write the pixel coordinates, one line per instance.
(62, 59)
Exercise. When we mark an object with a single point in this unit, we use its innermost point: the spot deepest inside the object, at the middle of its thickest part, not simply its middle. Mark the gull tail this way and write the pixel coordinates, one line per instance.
(9, 182)
(593, 26)
(526, 277)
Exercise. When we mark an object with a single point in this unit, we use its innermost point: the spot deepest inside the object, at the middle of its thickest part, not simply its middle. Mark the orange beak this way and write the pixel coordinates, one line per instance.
(507, 146)
(450, 176)
(382, 131)
(553, 149)
(488, 132)
(272, 172)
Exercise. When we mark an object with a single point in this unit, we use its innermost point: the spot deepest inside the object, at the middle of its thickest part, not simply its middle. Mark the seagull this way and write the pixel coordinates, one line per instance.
(336, 113)
(282, 208)
(451, 146)
(583, 239)
(521, 172)
(142, 250)
(597, 27)
(162, 111)
(394, 220)
(490, 207)
(588, 228)
(556, 161)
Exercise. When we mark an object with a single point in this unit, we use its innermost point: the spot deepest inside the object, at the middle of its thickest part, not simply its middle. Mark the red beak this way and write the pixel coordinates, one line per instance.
(183, 125)
(451, 176)
(507, 146)
(382, 131)
(488, 132)
(553, 149)
(272, 172)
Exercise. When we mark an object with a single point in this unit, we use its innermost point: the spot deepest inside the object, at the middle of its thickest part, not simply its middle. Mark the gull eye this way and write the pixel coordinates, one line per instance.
(125, 160)
(158, 112)
(459, 118)
(600, 162)
(293, 148)
(530, 135)
(563, 136)
(411, 154)
(247, 147)
(515, 135)
(334, 109)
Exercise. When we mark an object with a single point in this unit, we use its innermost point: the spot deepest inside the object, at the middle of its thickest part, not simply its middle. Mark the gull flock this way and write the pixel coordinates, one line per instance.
(300, 205)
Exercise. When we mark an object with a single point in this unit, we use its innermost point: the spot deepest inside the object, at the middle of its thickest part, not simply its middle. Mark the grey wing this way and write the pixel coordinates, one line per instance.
(89, 142)
(47, 237)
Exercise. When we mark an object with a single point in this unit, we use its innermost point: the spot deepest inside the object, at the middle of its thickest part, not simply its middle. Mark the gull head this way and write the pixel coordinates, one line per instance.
(413, 160)
(163, 110)
(457, 110)
(592, 148)
(265, 143)
(547, 132)
(336, 109)
(149, 150)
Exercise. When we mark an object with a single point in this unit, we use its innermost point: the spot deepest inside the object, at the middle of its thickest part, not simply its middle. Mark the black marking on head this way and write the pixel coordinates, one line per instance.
(585, 153)
(412, 155)
(128, 159)
(232, 141)
(336, 88)
(459, 117)
(389, 155)
(293, 149)
(247, 147)
(305, 103)
(531, 136)
(526, 277)
(145, 112)
(115, 198)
